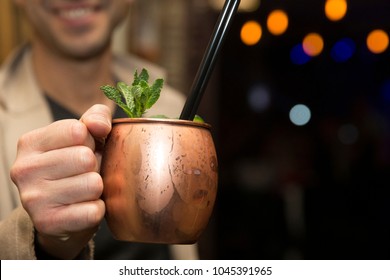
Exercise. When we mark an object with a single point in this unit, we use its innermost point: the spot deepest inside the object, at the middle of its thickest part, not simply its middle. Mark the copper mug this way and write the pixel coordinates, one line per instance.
(160, 180)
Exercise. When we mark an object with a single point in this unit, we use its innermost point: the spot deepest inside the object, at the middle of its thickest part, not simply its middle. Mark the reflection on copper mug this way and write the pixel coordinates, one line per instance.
(160, 180)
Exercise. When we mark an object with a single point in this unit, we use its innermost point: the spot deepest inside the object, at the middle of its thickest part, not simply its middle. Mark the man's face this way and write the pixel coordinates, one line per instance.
(75, 28)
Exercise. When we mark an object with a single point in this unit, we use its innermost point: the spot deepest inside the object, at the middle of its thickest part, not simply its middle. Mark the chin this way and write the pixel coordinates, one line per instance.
(85, 51)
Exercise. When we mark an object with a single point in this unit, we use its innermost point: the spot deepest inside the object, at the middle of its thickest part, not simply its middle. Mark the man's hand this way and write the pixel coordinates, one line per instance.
(57, 174)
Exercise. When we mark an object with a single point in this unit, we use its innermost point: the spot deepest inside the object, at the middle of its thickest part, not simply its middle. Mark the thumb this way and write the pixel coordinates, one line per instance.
(98, 120)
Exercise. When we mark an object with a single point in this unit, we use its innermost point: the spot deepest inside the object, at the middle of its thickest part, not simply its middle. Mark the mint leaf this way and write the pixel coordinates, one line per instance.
(137, 98)
(144, 76)
(115, 95)
(154, 93)
(125, 90)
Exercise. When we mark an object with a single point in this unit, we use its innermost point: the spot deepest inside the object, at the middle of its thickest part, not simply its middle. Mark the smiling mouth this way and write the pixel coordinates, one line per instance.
(76, 13)
(69, 11)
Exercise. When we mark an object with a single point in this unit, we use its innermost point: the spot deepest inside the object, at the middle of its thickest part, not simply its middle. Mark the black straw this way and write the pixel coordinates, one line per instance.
(206, 67)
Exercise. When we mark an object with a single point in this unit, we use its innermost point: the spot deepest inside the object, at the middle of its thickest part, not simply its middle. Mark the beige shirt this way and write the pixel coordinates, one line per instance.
(24, 108)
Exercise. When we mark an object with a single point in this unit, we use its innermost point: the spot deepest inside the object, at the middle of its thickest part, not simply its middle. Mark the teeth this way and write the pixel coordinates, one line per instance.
(76, 13)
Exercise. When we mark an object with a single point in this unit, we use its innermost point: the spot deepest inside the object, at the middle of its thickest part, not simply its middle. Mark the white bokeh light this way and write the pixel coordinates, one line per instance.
(300, 114)
(259, 98)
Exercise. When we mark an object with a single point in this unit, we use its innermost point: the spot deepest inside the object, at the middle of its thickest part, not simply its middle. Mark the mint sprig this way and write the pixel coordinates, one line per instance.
(137, 98)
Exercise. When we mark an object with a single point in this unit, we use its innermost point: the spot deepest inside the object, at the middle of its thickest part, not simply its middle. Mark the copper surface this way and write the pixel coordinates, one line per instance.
(160, 180)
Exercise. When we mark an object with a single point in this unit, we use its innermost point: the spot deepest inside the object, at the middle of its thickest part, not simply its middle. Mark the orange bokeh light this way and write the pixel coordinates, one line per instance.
(335, 9)
(277, 22)
(377, 41)
(313, 44)
(251, 33)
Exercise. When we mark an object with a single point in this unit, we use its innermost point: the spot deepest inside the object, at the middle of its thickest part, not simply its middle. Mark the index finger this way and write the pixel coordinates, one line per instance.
(59, 134)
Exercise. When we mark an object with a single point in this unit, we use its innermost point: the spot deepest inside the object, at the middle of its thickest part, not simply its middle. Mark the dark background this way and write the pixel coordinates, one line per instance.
(318, 191)
(301, 192)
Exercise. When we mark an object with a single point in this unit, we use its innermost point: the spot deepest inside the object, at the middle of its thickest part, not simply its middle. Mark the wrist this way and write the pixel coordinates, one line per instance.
(59, 248)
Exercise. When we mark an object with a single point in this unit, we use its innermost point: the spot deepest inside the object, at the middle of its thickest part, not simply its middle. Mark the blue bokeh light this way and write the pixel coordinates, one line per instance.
(343, 50)
(298, 55)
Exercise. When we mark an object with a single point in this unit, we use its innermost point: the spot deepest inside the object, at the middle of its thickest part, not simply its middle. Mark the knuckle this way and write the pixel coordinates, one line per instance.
(15, 172)
(95, 213)
(23, 141)
(85, 158)
(20, 171)
(94, 184)
(28, 141)
(30, 200)
(79, 132)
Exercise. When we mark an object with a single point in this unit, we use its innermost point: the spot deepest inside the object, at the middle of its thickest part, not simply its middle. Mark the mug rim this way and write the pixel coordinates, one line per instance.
(161, 121)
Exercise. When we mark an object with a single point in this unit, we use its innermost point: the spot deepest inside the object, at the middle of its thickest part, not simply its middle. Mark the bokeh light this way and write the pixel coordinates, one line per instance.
(251, 33)
(300, 114)
(343, 50)
(335, 9)
(298, 55)
(313, 44)
(259, 98)
(377, 41)
(277, 22)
